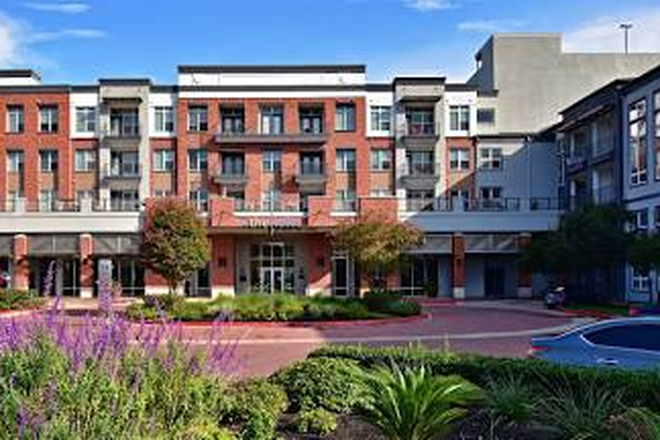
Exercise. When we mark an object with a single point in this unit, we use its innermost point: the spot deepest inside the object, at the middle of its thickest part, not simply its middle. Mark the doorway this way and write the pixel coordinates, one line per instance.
(272, 268)
(494, 284)
(272, 280)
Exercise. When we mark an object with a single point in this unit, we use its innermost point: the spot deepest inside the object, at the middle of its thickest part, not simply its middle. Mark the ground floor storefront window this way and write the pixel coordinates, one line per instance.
(199, 285)
(127, 275)
(419, 276)
(54, 276)
(343, 275)
(272, 268)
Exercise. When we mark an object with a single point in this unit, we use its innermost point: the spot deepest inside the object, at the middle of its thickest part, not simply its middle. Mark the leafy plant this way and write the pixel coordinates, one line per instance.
(581, 415)
(11, 299)
(333, 384)
(510, 401)
(174, 243)
(412, 404)
(636, 424)
(316, 421)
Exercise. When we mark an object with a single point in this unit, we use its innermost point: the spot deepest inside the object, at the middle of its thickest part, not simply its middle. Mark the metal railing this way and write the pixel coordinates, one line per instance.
(503, 204)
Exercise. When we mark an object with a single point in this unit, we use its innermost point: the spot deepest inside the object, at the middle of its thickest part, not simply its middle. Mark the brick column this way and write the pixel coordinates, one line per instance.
(524, 276)
(319, 266)
(223, 265)
(20, 279)
(154, 284)
(458, 266)
(86, 246)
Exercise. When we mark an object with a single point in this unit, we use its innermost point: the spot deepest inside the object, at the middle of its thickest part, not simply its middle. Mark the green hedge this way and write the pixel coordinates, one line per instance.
(19, 299)
(278, 307)
(638, 388)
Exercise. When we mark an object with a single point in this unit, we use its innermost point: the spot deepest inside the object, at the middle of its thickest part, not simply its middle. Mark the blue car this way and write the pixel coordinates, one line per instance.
(629, 343)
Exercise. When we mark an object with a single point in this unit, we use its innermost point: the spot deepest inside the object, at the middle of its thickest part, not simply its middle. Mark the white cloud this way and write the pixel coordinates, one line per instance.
(39, 37)
(63, 8)
(12, 46)
(603, 34)
(429, 5)
(490, 26)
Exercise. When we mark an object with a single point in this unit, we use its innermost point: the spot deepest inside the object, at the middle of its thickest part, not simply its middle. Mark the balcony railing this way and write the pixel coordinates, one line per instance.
(503, 204)
(344, 205)
(546, 204)
(55, 206)
(266, 206)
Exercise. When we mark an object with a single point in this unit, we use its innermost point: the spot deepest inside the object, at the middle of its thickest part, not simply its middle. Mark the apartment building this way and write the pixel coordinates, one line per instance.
(274, 158)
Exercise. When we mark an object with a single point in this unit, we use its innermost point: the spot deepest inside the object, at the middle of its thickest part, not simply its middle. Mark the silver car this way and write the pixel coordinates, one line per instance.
(630, 343)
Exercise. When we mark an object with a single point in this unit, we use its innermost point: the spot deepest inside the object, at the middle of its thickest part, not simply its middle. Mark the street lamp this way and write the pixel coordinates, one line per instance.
(626, 30)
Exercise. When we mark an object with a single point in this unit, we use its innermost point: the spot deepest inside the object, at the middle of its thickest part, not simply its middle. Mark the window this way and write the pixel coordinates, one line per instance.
(272, 119)
(421, 121)
(48, 161)
(124, 164)
(163, 160)
(640, 280)
(636, 336)
(419, 277)
(345, 160)
(637, 137)
(271, 200)
(164, 119)
(46, 200)
(419, 200)
(85, 119)
(345, 117)
(15, 161)
(491, 192)
(200, 199)
(380, 192)
(311, 120)
(198, 118)
(233, 164)
(15, 119)
(311, 164)
(486, 116)
(490, 198)
(657, 217)
(639, 220)
(197, 160)
(459, 118)
(345, 200)
(85, 161)
(49, 116)
(381, 118)
(232, 120)
(162, 193)
(381, 159)
(420, 163)
(490, 158)
(124, 200)
(459, 159)
(124, 122)
(84, 194)
(272, 161)
(656, 101)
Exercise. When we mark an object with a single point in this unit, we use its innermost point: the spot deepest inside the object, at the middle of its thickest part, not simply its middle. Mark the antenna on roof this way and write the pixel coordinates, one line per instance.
(626, 30)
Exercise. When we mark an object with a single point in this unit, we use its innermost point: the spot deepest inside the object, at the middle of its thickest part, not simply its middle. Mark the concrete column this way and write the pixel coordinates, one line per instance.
(86, 281)
(458, 266)
(524, 276)
(20, 279)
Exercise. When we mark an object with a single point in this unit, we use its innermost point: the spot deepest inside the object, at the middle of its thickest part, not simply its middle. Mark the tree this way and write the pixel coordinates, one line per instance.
(174, 241)
(376, 245)
(591, 239)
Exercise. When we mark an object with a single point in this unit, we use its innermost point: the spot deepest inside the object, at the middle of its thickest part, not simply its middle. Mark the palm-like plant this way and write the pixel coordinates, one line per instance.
(412, 404)
(637, 424)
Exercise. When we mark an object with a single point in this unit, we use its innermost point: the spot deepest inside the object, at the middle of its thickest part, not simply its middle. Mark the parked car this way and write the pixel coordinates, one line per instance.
(629, 343)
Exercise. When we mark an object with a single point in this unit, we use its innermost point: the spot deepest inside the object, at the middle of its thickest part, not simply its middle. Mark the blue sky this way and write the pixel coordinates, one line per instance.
(79, 41)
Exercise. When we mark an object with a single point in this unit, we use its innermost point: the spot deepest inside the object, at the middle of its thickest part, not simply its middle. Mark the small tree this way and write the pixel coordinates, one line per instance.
(174, 241)
(377, 245)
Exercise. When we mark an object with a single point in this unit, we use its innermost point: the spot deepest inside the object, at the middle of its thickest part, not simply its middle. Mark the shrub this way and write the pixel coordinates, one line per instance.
(390, 303)
(636, 424)
(205, 428)
(258, 427)
(259, 396)
(638, 389)
(412, 404)
(11, 299)
(316, 421)
(509, 400)
(165, 303)
(333, 384)
(584, 414)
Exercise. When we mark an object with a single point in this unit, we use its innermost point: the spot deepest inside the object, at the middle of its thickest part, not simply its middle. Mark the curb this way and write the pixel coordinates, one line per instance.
(304, 324)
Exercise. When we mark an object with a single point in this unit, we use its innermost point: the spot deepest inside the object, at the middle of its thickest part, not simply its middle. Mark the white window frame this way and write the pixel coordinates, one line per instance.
(459, 118)
(491, 158)
(380, 192)
(199, 198)
(48, 161)
(46, 200)
(459, 159)
(345, 117)
(15, 161)
(198, 118)
(381, 118)
(49, 119)
(640, 220)
(639, 281)
(163, 119)
(197, 160)
(271, 161)
(15, 119)
(85, 119)
(271, 119)
(381, 159)
(638, 142)
(85, 160)
(163, 160)
(346, 198)
(346, 160)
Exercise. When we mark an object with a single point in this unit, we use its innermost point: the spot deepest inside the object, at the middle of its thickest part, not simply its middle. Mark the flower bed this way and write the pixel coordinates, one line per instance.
(272, 308)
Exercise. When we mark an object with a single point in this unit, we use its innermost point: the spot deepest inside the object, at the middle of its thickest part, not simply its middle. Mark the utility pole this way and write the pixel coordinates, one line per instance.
(626, 30)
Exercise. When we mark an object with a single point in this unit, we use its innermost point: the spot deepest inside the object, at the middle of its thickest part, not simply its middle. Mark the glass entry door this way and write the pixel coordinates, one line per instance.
(272, 280)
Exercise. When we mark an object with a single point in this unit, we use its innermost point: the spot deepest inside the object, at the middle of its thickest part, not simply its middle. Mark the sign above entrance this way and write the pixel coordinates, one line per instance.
(266, 222)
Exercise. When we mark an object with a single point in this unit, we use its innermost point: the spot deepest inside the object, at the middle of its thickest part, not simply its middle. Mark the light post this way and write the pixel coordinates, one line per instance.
(626, 30)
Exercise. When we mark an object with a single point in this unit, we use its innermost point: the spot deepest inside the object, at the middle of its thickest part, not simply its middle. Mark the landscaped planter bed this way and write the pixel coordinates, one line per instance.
(275, 308)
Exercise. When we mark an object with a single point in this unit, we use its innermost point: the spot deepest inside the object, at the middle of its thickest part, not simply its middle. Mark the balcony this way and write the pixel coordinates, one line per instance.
(237, 178)
(493, 205)
(243, 138)
(420, 176)
(311, 178)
